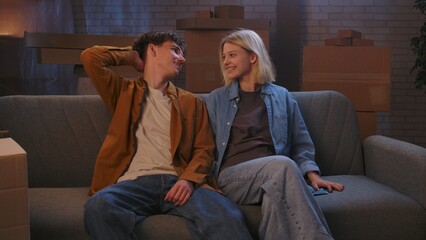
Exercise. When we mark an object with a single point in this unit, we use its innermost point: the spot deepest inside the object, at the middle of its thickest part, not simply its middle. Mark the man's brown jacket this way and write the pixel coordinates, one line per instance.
(192, 142)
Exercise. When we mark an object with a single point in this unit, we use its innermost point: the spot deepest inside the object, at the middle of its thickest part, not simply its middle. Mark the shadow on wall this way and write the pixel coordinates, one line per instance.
(20, 72)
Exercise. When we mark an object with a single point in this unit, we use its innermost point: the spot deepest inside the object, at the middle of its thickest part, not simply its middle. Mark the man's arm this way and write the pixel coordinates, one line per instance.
(97, 61)
(199, 167)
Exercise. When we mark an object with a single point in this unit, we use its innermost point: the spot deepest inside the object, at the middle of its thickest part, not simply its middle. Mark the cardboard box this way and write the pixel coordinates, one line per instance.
(362, 42)
(14, 204)
(17, 232)
(58, 56)
(363, 74)
(204, 14)
(203, 77)
(221, 24)
(338, 41)
(65, 48)
(367, 124)
(348, 33)
(14, 216)
(229, 11)
(73, 40)
(13, 165)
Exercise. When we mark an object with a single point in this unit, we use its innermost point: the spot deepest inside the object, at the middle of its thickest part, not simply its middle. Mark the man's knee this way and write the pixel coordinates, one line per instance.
(224, 205)
(90, 206)
(95, 205)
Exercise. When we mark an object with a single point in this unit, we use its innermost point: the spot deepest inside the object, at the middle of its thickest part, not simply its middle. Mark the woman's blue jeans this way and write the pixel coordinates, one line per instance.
(289, 210)
(113, 212)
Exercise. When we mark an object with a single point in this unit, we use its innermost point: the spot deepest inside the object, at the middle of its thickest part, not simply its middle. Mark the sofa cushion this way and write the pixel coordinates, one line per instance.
(367, 208)
(154, 228)
(57, 213)
(65, 206)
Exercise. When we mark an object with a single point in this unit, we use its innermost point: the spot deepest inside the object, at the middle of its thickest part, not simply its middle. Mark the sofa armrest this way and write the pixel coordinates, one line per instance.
(398, 164)
(14, 216)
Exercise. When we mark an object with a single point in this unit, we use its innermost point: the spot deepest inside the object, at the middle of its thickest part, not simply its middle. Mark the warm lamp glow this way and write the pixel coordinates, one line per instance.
(16, 17)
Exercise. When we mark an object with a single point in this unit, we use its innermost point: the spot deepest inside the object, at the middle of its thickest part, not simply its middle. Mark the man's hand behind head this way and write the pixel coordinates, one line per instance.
(138, 62)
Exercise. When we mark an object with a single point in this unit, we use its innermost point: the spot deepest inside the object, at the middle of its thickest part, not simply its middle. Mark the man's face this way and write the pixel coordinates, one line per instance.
(170, 59)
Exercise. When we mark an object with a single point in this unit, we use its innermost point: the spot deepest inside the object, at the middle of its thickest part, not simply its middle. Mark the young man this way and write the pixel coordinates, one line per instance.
(159, 148)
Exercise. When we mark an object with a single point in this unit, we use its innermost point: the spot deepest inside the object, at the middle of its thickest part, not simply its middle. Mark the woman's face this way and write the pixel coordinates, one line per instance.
(237, 62)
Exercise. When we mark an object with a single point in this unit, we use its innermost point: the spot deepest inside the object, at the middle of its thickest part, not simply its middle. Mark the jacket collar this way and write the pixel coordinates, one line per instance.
(233, 90)
(171, 91)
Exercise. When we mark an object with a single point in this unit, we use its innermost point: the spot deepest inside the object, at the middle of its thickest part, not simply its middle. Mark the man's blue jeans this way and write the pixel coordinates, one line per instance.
(113, 212)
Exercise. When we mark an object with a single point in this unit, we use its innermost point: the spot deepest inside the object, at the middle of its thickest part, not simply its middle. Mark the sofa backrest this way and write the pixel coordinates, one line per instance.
(63, 134)
(333, 125)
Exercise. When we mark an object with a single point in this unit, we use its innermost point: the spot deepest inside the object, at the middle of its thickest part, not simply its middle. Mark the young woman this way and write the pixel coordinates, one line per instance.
(264, 151)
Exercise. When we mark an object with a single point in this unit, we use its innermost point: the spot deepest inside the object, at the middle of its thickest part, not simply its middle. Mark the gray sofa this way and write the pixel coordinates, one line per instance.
(385, 179)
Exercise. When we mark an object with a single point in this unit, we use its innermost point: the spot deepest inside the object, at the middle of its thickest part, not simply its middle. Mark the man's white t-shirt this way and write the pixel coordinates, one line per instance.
(153, 139)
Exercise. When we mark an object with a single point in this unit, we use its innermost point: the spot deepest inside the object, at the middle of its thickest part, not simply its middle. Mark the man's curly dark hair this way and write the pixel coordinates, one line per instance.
(157, 38)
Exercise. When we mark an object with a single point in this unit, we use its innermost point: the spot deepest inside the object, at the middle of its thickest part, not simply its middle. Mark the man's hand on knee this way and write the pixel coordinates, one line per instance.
(180, 193)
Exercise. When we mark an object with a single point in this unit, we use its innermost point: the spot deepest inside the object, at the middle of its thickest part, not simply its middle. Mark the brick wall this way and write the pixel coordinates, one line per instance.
(388, 22)
(129, 18)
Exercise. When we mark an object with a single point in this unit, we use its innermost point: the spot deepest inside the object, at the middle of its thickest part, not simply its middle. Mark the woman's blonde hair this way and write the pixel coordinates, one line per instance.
(250, 41)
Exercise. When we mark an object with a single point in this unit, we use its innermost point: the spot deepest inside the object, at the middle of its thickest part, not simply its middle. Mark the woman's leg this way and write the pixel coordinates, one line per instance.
(289, 210)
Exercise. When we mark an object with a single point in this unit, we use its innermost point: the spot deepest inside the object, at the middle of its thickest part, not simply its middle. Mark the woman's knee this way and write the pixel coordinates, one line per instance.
(281, 163)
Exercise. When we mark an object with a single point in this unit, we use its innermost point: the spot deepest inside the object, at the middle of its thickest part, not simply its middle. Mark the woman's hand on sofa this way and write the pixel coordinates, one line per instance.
(317, 182)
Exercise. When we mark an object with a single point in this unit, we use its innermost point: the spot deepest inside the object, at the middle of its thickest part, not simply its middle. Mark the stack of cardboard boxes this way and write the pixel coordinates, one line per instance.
(14, 214)
(203, 34)
(348, 37)
(354, 67)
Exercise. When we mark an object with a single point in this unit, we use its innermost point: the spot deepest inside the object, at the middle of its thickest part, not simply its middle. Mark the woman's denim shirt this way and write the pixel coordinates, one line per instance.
(288, 130)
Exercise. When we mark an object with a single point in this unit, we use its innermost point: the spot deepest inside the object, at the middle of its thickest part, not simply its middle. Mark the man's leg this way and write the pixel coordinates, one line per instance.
(113, 212)
(289, 210)
(211, 215)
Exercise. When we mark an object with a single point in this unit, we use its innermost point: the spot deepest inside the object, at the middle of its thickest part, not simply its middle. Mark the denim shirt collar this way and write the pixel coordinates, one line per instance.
(233, 90)
(234, 94)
